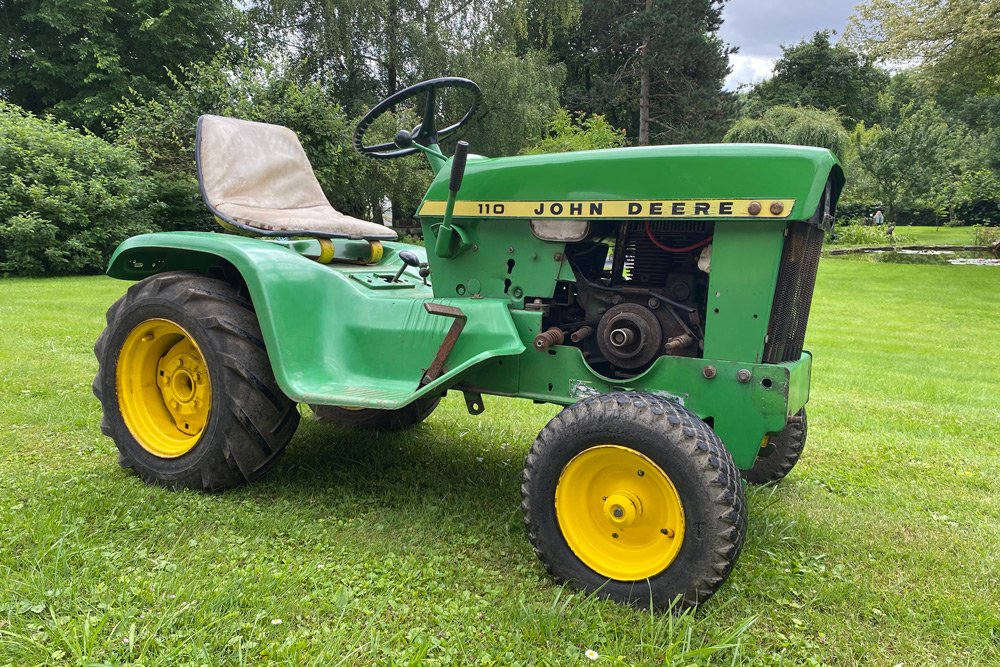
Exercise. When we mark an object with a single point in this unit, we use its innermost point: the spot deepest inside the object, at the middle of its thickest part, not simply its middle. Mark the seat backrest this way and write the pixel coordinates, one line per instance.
(254, 164)
(255, 177)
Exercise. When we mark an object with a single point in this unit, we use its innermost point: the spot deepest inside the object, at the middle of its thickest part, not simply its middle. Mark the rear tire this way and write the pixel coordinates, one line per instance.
(782, 451)
(186, 386)
(386, 420)
(633, 498)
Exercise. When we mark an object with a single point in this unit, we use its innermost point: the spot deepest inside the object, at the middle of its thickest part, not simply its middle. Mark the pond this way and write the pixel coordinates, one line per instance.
(902, 256)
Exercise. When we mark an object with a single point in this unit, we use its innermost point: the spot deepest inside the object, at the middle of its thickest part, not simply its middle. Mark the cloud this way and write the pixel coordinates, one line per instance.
(760, 27)
(748, 70)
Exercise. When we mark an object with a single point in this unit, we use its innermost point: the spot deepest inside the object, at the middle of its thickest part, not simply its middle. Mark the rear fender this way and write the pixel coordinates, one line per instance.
(330, 338)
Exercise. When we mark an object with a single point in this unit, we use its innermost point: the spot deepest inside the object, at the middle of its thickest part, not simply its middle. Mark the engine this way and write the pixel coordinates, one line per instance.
(640, 292)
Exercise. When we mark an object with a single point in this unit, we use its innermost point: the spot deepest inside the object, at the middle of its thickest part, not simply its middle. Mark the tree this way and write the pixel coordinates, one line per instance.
(520, 94)
(162, 130)
(363, 50)
(801, 126)
(77, 59)
(818, 74)
(655, 67)
(907, 163)
(956, 41)
(577, 132)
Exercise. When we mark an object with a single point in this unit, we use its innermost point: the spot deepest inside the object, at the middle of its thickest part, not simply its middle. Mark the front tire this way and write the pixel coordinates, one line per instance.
(186, 386)
(782, 451)
(635, 499)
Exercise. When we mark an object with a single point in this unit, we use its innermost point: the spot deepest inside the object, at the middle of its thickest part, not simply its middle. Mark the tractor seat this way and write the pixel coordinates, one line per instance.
(257, 178)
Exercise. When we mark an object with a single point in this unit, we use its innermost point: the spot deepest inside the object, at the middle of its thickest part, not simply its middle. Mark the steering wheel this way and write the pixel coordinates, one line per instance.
(425, 133)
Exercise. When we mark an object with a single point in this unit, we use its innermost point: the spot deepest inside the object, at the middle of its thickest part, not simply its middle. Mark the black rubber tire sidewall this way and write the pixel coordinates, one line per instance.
(710, 545)
(249, 422)
(788, 446)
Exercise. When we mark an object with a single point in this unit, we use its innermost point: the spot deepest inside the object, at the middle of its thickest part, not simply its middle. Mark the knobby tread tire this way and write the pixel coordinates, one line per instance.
(250, 421)
(781, 454)
(385, 420)
(688, 451)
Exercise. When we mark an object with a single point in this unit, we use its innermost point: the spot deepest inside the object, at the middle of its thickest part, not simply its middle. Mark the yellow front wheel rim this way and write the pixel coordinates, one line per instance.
(619, 513)
(164, 389)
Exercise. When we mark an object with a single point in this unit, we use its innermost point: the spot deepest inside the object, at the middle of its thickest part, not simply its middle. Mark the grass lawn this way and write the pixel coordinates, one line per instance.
(880, 548)
(936, 235)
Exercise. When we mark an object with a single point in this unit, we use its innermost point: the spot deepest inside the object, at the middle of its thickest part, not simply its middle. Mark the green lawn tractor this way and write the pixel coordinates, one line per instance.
(660, 294)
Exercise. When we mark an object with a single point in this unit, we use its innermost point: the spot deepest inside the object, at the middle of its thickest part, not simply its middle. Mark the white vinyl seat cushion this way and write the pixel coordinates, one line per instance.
(256, 177)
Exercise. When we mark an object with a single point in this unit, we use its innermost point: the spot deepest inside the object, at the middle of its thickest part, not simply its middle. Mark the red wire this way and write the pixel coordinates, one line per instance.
(666, 248)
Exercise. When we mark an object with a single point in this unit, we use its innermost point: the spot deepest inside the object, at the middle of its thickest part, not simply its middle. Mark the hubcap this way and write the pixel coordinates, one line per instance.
(619, 513)
(164, 390)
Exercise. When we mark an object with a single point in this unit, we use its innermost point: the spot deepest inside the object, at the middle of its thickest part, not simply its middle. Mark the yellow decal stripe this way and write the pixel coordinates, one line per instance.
(645, 209)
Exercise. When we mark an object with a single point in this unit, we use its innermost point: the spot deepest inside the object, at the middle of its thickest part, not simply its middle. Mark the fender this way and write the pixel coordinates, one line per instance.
(301, 304)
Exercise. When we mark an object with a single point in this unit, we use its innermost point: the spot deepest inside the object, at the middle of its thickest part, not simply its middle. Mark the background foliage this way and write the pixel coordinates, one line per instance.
(66, 198)
(921, 140)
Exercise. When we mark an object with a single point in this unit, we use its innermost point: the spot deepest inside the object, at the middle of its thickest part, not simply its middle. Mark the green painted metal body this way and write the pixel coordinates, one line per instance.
(339, 334)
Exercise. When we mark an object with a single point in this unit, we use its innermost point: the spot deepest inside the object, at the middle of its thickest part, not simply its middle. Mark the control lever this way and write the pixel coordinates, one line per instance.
(409, 259)
(442, 247)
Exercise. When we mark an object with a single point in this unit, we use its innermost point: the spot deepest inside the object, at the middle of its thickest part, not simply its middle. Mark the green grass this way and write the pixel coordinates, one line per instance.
(868, 235)
(880, 548)
(937, 235)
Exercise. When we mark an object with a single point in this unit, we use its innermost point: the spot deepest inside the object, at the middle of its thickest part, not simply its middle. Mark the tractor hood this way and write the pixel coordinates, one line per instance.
(752, 181)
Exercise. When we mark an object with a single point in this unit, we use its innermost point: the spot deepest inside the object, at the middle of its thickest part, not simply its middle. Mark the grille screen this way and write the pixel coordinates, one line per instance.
(793, 293)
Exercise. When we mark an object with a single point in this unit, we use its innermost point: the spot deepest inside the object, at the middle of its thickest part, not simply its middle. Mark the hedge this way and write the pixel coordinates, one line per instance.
(67, 198)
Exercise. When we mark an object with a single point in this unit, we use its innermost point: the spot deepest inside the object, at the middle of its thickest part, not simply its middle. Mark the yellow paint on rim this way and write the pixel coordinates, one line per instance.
(619, 512)
(164, 389)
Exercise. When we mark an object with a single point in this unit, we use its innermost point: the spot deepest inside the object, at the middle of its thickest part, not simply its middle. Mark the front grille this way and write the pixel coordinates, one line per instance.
(793, 293)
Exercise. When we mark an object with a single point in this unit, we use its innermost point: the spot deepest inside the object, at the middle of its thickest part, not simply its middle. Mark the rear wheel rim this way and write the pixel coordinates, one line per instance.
(164, 389)
(619, 512)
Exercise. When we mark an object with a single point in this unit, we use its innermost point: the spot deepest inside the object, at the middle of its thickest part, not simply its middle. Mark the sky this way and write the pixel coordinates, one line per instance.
(760, 27)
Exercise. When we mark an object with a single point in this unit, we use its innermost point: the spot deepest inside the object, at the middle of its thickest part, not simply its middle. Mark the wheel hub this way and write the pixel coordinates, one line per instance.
(622, 509)
(619, 512)
(182, 380)
(164, 388)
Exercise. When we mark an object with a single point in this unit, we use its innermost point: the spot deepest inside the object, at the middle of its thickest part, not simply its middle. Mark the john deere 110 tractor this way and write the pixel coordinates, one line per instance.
(660, 294)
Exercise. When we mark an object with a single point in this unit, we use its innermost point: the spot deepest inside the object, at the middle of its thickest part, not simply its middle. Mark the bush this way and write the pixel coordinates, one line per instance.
(985, 235)
(577, 132)
(848, 212)
(67, 199)
(854, 233)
